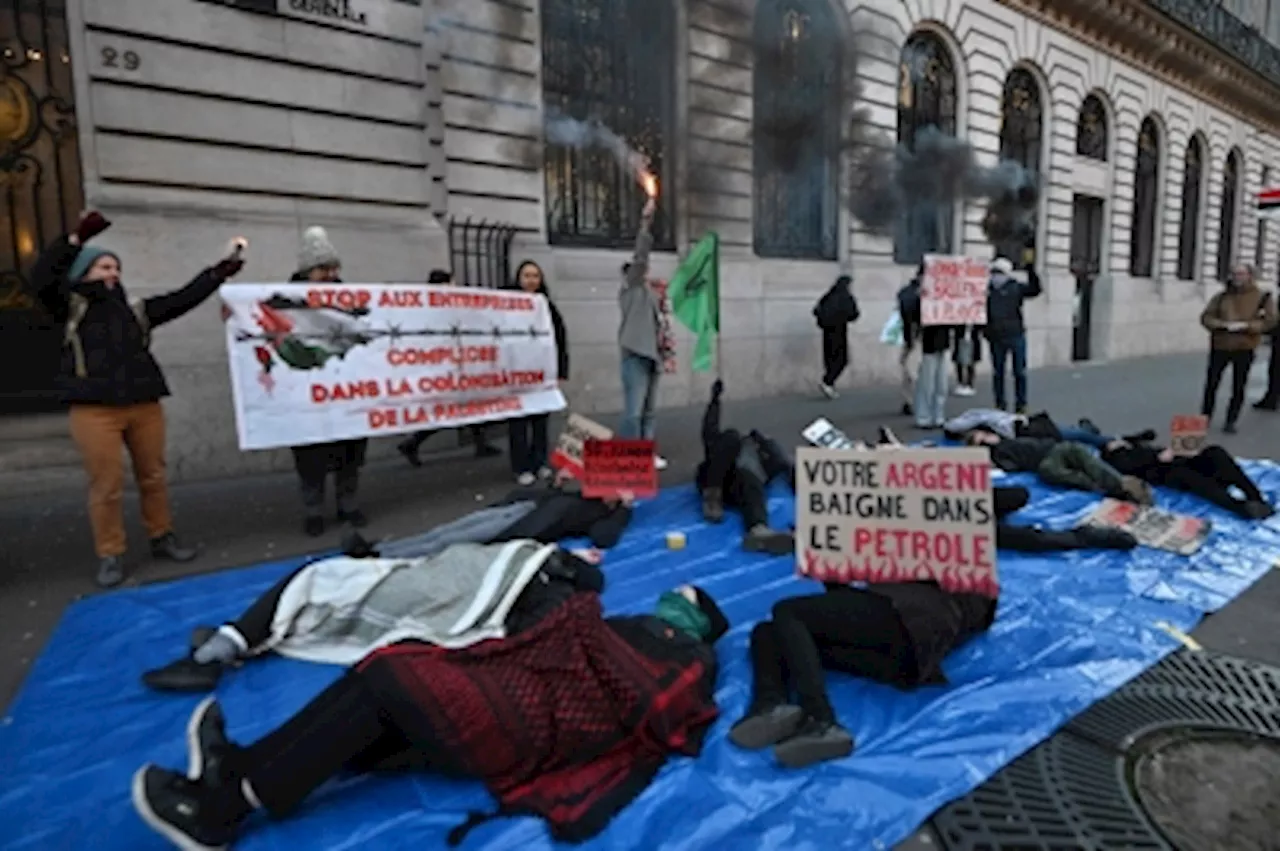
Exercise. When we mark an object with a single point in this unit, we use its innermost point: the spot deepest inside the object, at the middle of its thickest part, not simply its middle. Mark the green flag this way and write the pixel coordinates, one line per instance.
(695, 296)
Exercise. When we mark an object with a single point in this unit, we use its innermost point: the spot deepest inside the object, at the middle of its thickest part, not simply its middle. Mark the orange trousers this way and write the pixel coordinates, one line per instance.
(101, 432)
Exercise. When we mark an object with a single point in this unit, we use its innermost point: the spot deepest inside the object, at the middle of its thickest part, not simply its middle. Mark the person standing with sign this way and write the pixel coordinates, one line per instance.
(835, 312)
(318, 262)
(1006, 329)
(639, 333)
(114, 384)
(1236, 319)
(528, 435)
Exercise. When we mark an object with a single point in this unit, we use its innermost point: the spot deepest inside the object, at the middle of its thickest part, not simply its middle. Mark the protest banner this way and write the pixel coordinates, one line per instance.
(1153, 527)
(317, 362)
(567, 455)
(954, 290)
(897, 515)
(613, 468)
(1188, 434)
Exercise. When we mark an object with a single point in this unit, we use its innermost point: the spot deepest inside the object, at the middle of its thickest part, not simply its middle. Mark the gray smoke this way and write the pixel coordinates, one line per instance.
(568, 132)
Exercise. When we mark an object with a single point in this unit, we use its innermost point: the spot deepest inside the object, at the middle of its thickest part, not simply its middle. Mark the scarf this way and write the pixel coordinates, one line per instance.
(675, 609)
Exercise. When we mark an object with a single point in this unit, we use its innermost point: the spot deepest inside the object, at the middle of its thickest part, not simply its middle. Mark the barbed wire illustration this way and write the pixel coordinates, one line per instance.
(353, 337)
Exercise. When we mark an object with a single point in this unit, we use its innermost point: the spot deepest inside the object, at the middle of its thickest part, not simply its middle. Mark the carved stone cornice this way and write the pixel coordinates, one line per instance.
(1143, 35)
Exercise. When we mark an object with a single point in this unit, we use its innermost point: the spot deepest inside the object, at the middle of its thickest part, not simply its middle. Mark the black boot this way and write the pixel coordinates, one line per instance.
(766, 725)
(191, 815)
(211, 756)
(167, 547)
(713, 505)
(762, 539)
(1266, 403)
(816, 741)
(409, 449)
(185, 676)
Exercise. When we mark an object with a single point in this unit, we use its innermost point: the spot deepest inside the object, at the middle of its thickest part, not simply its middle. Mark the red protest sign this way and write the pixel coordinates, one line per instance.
(954, 290)
(613, 468)
(1188, 433)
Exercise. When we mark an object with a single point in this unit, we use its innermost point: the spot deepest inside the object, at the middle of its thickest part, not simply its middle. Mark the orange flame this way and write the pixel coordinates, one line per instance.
(650, 184)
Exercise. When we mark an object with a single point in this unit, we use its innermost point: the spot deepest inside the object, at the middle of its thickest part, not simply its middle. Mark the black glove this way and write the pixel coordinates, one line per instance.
(91, 224)
(717, 389)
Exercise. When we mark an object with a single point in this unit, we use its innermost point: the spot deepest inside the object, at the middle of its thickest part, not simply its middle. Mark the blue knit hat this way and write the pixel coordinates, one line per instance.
(88, 254)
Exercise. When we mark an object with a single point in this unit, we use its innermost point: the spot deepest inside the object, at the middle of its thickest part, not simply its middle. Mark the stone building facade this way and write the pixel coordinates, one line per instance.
(385, 119)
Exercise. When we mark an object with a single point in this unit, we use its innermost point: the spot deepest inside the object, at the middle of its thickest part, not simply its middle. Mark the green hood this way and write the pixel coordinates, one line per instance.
(675, 609)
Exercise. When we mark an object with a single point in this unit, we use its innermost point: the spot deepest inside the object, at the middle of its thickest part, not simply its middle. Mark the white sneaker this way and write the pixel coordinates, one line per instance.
(828, 390)
(526, 479)
(659, 463)
(963, 390)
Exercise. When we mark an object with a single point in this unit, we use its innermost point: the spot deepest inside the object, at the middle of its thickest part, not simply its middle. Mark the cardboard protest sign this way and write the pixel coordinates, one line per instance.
(954, 290)
(317, 362)
(1188, 434)
(613, 468)
(897, 515)
(1153, 527)
(568, 452)
(821, 432)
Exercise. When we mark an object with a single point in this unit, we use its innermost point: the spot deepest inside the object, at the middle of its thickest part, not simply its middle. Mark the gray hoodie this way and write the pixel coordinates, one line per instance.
(641, 312)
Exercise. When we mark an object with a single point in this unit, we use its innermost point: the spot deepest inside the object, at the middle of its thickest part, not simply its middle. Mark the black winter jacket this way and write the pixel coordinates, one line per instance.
(107, 358)
(837, 308)
(935, 339)
(563, 514)
(1005, 296)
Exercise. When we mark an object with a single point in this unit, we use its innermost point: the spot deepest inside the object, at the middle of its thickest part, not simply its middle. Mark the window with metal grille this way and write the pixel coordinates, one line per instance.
(796, 139)
(1227, 219)
(1021, 140)
(1146, 182)
(1189, 225)
(1091, 129)
(926, 99)
(1260, 248)
(610, 61)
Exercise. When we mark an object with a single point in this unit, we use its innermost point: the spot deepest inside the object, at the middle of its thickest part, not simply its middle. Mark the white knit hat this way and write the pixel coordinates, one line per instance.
(316, 250)
(1003, 265)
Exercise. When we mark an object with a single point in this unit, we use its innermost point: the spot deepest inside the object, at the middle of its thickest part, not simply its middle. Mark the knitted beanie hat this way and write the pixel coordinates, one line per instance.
(88, 254)
(316, 250)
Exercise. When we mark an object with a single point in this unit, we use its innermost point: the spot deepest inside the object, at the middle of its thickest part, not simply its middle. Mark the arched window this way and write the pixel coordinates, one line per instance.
(1146, 183)
(1189, 225)
(1091, 129)
(797, 119)
(611, 63)
(926, 104)
(1227, 218)
(1021, 140)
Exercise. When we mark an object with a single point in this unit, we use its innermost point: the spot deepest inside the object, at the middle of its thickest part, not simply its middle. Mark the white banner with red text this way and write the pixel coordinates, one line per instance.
(313, 363)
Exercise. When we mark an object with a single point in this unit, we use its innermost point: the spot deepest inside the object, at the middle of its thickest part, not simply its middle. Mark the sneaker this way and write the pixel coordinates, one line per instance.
(207, 744)
(545, 472)
(167, 547)
(887, 437)
(110, 571)
(965, 390)
(409, 450)
(713, 505)
(524, 480)
(313, 527)
(828, 390)
(201, 634)
(181, 811)
(816, 741)
(762, 539)
(659, 463)
(487, 450)
(760, 728)
(907, 410)
(186, 676)
(354, 518)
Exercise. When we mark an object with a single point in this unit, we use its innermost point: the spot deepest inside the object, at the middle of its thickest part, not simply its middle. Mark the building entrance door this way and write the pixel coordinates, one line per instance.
(1086, 264)
(40, 190)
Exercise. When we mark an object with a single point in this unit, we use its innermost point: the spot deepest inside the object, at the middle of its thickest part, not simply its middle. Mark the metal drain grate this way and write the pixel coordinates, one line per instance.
(1074, 791)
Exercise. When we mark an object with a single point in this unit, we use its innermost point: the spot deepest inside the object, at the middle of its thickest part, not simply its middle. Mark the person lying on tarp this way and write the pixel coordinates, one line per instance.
(1061, 463)
(1210, 474)
(571, 742)
(736, 471)
(1008, 426)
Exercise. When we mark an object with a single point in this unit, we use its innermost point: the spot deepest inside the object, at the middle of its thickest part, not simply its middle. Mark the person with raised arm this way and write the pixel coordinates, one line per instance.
(640, 338)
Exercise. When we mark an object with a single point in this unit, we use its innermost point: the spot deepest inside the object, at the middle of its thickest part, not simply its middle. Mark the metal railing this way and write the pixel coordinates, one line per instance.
(480, 252)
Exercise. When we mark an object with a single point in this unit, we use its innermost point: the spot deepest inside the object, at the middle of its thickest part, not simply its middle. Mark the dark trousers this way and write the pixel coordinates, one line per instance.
(528, 439)
(1025, 539)
(734, 464)
(1240, 363)
(1209, 475)
(1272, 398)
(835, 353)
(254, 623)
(314, 463)
(844, 629)
(1003, 349)
(343, 727)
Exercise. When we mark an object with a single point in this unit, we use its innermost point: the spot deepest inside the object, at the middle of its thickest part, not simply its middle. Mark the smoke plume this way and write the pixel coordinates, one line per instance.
(568, 132)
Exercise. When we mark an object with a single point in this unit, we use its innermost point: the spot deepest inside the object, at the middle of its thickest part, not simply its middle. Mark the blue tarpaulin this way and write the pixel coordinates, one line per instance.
(1071, 628)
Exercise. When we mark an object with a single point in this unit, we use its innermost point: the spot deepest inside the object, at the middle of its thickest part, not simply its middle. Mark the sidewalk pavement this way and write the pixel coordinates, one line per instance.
(48, 559)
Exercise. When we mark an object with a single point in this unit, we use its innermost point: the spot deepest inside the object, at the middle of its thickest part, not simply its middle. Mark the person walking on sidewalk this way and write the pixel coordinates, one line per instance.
(1236, 319)
(1006, 329)
(835, 312)
(318, 262)
(412, 445)
(114, 384)
(528, 435)
(639, 334)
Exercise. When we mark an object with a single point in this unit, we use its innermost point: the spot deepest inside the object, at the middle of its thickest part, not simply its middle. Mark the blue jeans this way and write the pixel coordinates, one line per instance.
(931, 391)
(1088, 438)
(1001, 349)
(639, 395)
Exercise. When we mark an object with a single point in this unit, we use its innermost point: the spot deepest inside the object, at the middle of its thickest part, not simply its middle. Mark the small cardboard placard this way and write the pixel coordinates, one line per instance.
(897, 515)
(615, 468)
(954, 290)
(822, 432)
(1188, 434)
(567, 455)
(1153, 527)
